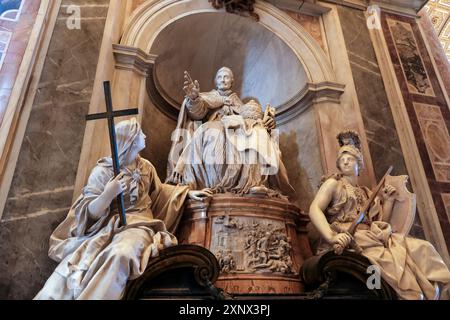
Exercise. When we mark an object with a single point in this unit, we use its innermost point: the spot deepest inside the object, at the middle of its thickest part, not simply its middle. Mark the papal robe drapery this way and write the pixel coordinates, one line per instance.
(97, 258)
(410, 266)
(209, 106)
(233, 155)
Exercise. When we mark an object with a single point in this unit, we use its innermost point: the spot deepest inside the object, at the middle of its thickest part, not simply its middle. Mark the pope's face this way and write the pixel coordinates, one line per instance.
(224, 80)
(348, 165)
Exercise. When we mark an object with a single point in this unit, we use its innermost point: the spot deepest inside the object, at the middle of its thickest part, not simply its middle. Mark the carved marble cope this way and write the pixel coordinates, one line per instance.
(206, 109)
(235, 154)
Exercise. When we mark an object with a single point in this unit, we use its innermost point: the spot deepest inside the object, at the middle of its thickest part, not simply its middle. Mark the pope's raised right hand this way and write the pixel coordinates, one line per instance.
(190, 87)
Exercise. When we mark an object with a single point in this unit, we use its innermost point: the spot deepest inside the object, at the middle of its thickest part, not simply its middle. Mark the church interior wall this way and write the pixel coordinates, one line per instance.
(42, 186)
(426, 106)
(379, 125)
(41, 194)
(442, 63)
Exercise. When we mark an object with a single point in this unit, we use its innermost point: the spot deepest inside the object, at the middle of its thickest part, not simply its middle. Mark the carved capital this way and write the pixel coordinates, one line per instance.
(133, 59)
(312, 93)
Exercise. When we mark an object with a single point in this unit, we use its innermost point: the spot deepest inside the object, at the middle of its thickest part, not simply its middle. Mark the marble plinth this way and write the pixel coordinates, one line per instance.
(260, 243)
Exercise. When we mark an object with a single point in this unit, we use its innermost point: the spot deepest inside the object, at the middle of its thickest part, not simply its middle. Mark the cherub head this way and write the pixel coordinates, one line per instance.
(252, 110)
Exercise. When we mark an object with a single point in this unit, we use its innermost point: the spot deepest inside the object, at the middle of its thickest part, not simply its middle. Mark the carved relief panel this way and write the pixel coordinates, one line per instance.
(251, 245)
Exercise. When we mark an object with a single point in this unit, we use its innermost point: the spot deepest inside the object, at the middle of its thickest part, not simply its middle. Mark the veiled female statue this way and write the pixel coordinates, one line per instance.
(412, 267)
(96, 256)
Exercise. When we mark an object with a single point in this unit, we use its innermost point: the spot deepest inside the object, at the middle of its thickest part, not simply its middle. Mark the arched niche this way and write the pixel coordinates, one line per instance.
(147, 61)
(265, 67)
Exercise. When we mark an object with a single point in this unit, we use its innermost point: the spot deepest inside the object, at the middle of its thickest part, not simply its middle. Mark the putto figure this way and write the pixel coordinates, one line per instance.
(412, 267)
(96, 256)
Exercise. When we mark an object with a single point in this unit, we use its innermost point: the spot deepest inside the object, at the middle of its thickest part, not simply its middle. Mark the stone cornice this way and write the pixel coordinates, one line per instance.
(401, 7)
(133, 59)
(311, 8)
(312, 93)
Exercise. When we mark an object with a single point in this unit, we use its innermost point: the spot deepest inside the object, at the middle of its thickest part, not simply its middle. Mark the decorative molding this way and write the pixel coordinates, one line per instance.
(133, 59)
(312, 93)
(308, 7)
(160, 99)
(408, 8)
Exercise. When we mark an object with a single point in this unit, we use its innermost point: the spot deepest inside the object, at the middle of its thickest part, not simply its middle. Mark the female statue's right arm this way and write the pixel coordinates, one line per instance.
(316, 213)
(113, 188)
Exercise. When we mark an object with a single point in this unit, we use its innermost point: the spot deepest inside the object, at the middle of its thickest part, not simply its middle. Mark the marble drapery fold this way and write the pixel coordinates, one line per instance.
(412, 267)
(97, 258)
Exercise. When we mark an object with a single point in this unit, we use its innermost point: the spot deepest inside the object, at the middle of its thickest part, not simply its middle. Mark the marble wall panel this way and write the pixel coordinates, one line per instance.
(384, 143)
(299, 145)
(442, 62)
(427, 109)
(437, 139)
(42, 186)
(410, 58)
(446, 200)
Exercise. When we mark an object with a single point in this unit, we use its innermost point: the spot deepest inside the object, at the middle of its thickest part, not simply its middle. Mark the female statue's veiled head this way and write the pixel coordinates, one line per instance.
(224, 79)
(130, 140)
(350, 145)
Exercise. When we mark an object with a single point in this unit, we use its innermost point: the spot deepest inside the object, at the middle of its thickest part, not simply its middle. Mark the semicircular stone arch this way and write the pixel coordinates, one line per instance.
(152, 17)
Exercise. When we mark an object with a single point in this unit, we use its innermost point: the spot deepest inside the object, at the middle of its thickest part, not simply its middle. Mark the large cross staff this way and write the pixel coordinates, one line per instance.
(110, 115)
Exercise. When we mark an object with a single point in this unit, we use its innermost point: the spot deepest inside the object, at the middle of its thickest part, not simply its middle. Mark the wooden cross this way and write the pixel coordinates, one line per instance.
(110, 115)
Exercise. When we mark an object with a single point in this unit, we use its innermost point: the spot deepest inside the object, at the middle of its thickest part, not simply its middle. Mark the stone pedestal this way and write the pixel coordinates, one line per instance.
(260, 243)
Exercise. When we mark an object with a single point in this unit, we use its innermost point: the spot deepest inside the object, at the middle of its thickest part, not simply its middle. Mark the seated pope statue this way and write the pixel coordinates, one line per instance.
(235, 154)
(96, 255)
(412, 267)
(201, 107)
